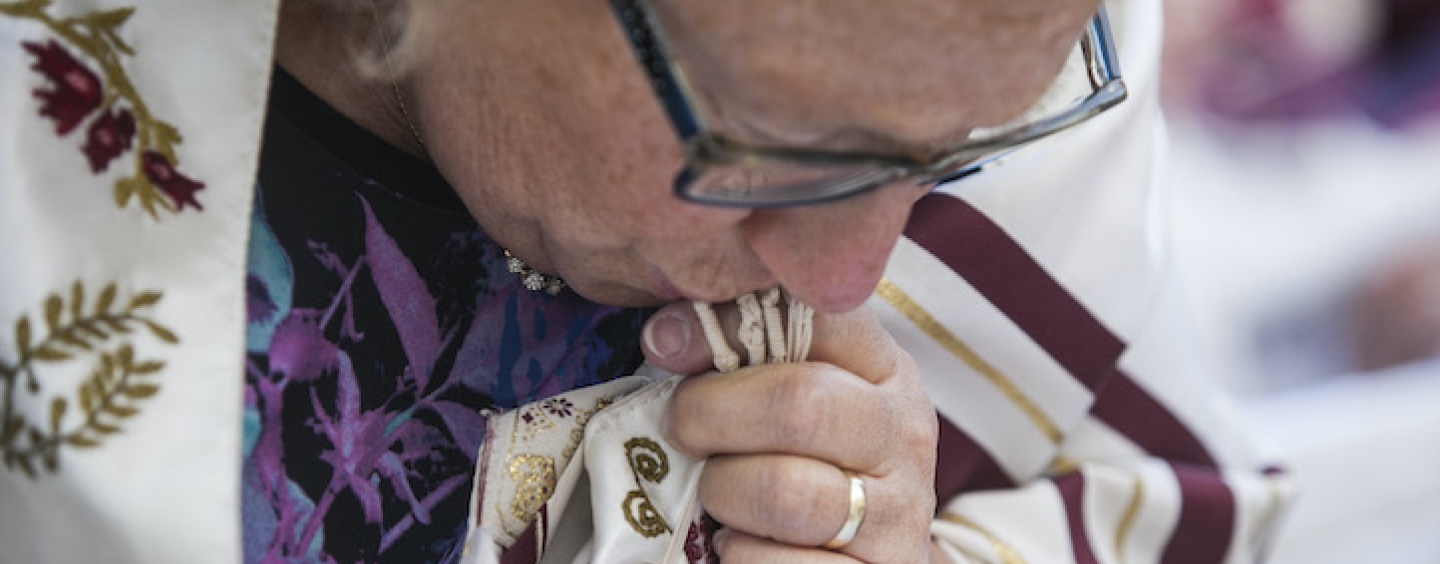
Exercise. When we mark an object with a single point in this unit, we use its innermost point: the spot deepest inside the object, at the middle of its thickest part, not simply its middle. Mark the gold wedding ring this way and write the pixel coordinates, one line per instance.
(854, 516)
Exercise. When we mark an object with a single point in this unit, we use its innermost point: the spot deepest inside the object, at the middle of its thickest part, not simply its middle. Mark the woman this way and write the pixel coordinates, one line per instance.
(379, 322)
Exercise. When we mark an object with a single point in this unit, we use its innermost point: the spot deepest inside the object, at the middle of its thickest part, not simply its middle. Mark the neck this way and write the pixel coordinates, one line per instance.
(324, 48)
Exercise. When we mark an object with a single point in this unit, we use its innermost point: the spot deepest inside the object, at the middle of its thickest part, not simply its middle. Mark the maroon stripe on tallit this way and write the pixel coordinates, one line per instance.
(962, 465)
(526, 549)
(1072, 492)
(1131, 411)
(1207, 518)
(981, 252)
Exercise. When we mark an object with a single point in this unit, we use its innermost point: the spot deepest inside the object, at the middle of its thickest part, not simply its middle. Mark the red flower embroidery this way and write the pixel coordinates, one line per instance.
(108, 136)
(694, 552)
(75, 91)
(700, 541)
(559, 407)
(74, 65)
(163, 175)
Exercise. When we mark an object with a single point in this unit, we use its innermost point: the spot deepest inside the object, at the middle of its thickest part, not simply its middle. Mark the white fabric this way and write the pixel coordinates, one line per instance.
(624, 494)
(165, 489)
(626, 497)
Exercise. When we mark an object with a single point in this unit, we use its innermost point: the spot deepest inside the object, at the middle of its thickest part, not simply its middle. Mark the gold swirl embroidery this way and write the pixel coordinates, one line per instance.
(650, 463)
(535, 479)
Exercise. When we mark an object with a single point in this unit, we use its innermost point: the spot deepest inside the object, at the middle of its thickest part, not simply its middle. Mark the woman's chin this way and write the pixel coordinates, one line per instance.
(616, 294)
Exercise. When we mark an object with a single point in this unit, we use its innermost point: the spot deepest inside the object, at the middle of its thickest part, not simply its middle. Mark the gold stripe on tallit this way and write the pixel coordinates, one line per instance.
(1127, 520)
(1007, 555)
(945, 338)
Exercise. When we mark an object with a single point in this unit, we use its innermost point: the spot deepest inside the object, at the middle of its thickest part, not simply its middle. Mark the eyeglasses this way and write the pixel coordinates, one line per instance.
(724, 172)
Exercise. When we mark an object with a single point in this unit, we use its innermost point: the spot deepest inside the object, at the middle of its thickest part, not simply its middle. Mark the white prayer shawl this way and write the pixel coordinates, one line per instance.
(159, 484)
(1078, 426)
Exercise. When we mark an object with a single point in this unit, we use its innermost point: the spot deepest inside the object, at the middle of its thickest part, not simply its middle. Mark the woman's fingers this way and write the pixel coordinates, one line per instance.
(803, 502)
(784, 486)
(807, 409)
(751, 549)
(782, 437)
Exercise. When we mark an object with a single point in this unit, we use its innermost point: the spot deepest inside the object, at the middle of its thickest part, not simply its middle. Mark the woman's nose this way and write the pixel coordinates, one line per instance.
(831, 256)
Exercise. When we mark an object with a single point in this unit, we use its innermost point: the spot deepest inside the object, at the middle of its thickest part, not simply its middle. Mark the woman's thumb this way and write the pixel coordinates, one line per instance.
(673, 340)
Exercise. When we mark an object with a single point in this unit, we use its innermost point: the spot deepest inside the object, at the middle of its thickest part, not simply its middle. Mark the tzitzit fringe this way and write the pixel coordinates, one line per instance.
(768, 337)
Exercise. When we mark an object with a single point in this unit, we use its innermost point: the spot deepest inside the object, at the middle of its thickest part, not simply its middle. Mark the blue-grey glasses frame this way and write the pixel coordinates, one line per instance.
(833, 175)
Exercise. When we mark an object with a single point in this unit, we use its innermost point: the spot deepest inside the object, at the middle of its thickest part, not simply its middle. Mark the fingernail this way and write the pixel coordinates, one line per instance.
(667, 334)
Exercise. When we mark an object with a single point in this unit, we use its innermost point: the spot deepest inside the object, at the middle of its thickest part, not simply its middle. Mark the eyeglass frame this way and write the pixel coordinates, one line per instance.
(704, 148)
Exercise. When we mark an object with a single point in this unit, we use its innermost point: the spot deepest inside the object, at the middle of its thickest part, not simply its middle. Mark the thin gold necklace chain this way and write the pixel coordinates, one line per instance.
(395, 84)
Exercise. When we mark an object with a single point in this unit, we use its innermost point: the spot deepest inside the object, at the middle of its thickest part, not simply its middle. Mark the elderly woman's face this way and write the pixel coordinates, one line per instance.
(540, 117)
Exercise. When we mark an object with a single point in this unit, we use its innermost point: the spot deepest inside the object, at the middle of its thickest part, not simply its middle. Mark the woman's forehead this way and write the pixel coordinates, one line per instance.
(919, 71)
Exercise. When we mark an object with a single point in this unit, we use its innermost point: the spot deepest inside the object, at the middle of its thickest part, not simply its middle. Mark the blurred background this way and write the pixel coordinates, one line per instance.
(1306, 137)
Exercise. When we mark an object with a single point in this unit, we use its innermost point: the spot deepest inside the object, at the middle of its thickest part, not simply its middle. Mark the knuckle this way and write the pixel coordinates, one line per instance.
(799, 406)
(911, 515)
(922, 504)
(902, 515)
(909, 423)
(786, 497)
(918, 425)
(905, 366)
(918, 431)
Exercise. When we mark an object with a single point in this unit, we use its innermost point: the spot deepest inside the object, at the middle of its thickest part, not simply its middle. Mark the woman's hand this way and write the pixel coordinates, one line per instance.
(780, 439)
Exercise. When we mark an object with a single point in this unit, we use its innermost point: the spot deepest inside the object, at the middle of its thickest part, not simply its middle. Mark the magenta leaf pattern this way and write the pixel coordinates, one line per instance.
(367, 395)
(405, 297)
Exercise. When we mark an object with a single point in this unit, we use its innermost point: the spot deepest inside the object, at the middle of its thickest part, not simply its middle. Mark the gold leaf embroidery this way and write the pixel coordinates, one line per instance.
(648, 462)
(111, 392)
(535, 476)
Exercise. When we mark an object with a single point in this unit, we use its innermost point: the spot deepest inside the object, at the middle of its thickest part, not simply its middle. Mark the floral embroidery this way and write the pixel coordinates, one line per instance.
(75, 91)
(119, 119)
(700, 541)
(180, 189)
(109, 136)
(559, 407)
(109, 395)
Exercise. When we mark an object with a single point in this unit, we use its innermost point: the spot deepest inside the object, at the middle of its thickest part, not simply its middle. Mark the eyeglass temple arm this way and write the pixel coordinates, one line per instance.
(648, 42)
(1099, 47)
